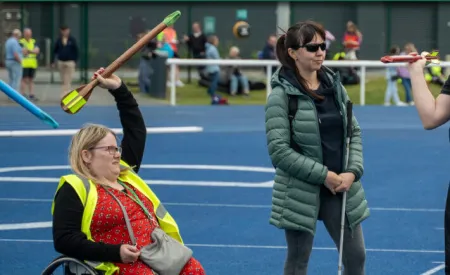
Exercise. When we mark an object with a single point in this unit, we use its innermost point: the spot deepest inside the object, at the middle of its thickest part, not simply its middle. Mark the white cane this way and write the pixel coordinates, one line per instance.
(344, 198)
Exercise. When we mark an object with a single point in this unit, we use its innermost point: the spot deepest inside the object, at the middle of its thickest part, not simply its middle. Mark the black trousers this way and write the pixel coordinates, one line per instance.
(447, 233)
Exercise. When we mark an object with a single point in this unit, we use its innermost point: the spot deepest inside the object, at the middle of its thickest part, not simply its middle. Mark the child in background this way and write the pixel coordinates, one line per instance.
(403, 73)
(391, 78)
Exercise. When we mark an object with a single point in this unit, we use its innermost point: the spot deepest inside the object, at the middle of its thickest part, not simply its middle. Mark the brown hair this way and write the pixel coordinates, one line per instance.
(298, 35)
(394, 50)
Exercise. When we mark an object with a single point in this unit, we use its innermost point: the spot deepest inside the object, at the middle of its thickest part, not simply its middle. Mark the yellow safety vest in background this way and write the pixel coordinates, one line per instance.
(435, 71)
(87, 192)
(29, 61)
(339, 55)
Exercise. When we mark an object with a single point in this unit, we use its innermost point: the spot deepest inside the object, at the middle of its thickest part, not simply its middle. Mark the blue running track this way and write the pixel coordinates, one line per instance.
(216, 183)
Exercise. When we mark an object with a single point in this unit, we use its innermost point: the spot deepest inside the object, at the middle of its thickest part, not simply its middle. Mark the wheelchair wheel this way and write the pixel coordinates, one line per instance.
(64, 265)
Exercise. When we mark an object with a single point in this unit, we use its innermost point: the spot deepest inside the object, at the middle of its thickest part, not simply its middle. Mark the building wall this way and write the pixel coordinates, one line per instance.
(414, 23)
(112, 26)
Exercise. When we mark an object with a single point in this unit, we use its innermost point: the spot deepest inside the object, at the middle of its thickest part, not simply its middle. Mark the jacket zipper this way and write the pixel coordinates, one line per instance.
(344, 146)
(318, 128)
(320, 142)
(344, 143)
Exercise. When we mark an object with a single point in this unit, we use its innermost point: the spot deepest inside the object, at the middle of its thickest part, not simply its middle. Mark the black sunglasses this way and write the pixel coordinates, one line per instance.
(312, 48)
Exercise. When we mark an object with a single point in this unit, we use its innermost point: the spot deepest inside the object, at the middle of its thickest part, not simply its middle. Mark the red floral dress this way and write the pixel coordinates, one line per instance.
(108, 226)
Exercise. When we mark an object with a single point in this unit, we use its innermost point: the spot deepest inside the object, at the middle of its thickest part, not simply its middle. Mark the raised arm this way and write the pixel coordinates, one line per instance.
(433, 112)
(278, 142)
(134, 130)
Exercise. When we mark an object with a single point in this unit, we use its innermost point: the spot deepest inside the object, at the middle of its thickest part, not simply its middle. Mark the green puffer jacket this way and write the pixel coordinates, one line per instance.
(298, 177)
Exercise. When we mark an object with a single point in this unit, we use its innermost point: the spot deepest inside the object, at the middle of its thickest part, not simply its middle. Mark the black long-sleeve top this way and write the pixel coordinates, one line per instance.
(197, 45)
(330, 122)
(68, 52)
(68, 212)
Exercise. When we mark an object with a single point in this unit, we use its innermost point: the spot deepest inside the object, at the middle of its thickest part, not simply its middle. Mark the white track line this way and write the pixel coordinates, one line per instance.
(152, 182)
(28, 225)
(264, 247)
(434, 270)
(239, 205)
(154, 166)
(70, 132)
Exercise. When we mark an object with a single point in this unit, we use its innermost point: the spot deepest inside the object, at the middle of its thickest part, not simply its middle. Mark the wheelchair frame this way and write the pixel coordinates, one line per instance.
(67, 262)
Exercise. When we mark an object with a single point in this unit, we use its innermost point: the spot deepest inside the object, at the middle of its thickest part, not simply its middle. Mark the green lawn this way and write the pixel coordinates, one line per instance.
(193, 94)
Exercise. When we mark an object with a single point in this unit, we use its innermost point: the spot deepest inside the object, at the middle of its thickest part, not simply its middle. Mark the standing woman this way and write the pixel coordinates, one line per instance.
(88, 222)
(309, 181)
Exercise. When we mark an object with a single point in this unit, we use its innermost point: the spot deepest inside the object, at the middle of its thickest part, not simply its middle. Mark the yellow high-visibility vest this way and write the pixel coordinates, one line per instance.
(435, 71)
(29, 61)
(87, 192)
(339, 55)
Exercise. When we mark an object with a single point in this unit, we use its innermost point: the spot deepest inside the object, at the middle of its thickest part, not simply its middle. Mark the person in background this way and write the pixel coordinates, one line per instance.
(196, 43)
(329, 38)
(235, 75)
(65, 55)
(268, 52)
(352, 41)
(403, 73)
(166, 48)
(213, 71)
(29, 63)
(169, 36)
(391, 81)
(13, 59)
(145, 69)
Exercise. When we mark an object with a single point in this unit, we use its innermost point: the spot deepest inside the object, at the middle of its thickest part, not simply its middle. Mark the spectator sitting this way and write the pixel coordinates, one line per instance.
(235, 76)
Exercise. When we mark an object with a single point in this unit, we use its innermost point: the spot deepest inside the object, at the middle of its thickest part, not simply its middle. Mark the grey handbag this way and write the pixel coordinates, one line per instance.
(166, 256)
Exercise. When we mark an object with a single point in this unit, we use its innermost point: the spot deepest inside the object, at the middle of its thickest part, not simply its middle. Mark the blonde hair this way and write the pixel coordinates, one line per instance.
(234, 49)
(410, 47)
(86, 138)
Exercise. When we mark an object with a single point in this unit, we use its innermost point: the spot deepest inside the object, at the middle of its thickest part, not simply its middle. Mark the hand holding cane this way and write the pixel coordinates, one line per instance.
(73, 101)
(344, 198)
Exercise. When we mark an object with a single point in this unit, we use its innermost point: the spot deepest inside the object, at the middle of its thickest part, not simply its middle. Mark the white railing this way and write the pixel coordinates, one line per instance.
(362, 64)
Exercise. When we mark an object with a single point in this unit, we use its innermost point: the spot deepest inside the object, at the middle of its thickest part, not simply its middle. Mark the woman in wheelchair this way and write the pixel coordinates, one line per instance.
(88, 222)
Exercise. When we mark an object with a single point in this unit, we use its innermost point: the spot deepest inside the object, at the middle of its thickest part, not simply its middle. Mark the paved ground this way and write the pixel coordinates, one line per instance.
(49, 93)
(48, 87)
(221, 178)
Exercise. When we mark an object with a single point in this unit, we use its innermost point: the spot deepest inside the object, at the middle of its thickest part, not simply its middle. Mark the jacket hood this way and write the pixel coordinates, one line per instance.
(284, 77)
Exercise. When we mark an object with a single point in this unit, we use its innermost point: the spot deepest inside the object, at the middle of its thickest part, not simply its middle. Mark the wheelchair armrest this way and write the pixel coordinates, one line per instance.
(66, 261)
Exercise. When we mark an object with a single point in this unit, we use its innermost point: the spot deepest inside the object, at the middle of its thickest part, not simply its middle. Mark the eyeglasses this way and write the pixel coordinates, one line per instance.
(111, 149)
(312, 48)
